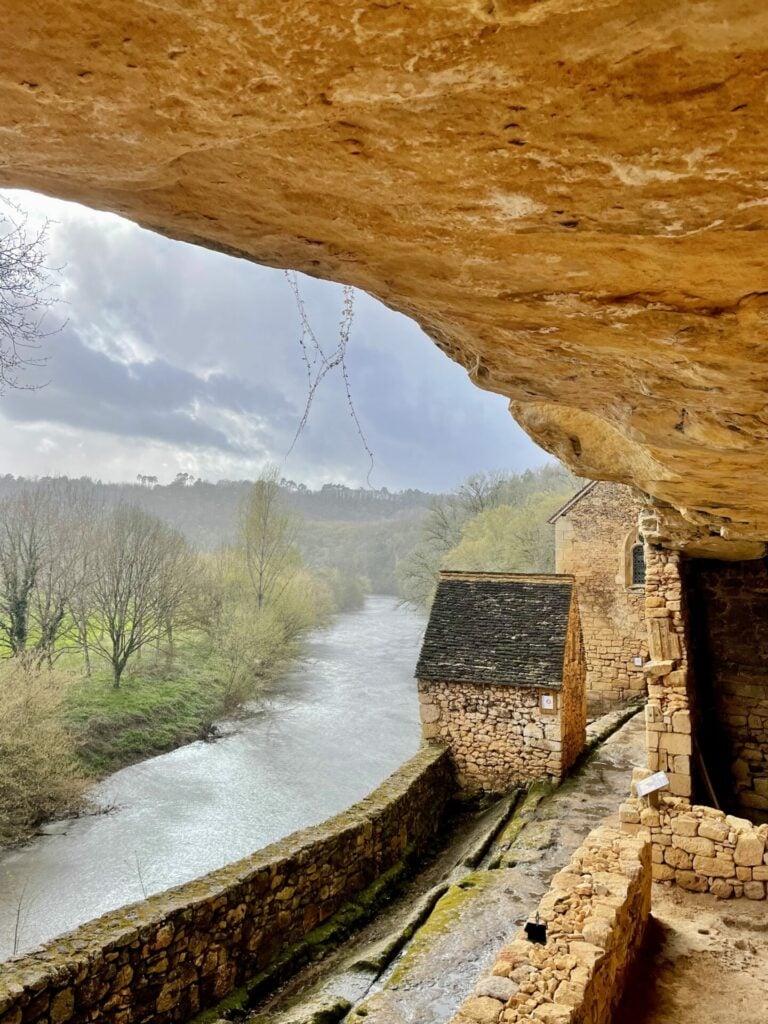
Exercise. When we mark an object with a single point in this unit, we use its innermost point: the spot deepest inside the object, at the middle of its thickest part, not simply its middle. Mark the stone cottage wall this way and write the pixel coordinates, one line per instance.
(597, 911)
(591, 544)
(497, 735)
(176, 953)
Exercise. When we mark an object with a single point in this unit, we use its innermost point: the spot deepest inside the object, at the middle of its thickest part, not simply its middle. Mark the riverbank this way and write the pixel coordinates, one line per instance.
(169, 696)
(161, 705)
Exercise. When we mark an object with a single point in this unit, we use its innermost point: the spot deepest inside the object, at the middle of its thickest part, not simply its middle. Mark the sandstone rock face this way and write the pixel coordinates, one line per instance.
(569, 196)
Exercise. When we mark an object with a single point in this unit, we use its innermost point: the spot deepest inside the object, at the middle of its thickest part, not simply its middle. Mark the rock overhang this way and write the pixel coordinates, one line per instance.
(569, 197)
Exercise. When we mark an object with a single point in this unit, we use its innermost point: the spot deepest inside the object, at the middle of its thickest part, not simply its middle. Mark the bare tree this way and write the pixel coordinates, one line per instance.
(43, 557)
(144, 569)
(25, 299)
(268, 534)
(21, 556)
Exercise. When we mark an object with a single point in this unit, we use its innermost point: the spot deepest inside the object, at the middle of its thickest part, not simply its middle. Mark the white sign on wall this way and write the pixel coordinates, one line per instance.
(652, 784)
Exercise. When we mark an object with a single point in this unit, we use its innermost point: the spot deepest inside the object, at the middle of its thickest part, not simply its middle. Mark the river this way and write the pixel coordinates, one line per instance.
(329, 732)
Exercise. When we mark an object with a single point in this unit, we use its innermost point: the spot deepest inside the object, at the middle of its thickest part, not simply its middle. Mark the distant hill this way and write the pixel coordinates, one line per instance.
(362, 532)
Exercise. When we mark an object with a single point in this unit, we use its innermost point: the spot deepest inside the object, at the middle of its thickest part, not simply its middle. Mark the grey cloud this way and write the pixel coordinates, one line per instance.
(156, 400)
(226, 371)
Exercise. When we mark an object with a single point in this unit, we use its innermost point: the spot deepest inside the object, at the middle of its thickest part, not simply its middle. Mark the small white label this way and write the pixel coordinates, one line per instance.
(652, 783)
(638, 661)
(547, 702)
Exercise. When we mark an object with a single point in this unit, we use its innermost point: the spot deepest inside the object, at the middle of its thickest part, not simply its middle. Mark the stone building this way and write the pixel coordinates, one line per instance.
(597, 542)
(501, 677)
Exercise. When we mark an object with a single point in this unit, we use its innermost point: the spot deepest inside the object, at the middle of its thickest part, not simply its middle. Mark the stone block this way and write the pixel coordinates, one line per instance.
(714, 867)
(596, 931)
(739, 824)
(685, 825)
(675, 743)
(662, 872)
(722, 889)
(629, 813)
(678, 858)
(750, 848)
(754, 890)
(681, 721)
(429, 713)
(692, 882)
(679, 785)
(715, 830)
(496, 988)
(481, 1009)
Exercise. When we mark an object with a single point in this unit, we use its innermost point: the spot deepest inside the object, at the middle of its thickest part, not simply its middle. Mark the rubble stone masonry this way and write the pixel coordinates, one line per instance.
(596, 912)
(498, 736)
(174, 954)
(700, 848)
(593, 542)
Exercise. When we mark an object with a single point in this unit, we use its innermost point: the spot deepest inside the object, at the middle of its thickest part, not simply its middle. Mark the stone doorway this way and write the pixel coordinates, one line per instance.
(728, 607)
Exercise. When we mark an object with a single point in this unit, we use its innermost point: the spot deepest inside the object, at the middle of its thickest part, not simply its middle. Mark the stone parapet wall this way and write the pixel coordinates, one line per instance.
(593, 543)
(497, 736)
(700, 848)
(174, 954)
(596, 912)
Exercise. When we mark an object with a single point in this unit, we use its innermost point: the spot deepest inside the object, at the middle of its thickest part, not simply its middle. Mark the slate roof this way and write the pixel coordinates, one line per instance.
(497, 628)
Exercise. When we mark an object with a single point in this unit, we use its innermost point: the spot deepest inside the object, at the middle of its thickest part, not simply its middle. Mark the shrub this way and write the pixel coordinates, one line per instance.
(39, 776)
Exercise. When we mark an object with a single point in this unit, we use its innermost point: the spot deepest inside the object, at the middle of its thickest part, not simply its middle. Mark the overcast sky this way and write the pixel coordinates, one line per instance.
(177, 359)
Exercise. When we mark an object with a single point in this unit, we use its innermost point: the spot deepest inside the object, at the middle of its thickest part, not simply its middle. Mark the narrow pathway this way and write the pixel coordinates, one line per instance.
(437, 970)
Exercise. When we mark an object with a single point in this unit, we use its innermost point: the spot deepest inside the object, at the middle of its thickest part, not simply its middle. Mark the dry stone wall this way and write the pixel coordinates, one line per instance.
(700, 848)
(593, 543)
(166, 958)
(596, 912)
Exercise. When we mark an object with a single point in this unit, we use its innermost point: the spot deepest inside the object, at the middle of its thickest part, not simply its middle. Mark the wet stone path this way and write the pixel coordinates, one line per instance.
(477, 906)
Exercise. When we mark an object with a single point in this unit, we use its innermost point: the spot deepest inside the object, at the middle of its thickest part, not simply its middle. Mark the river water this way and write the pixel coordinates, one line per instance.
(329, 733)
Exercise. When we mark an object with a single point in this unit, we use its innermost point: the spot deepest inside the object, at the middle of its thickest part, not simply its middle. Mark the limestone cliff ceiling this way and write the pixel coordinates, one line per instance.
(570, 196)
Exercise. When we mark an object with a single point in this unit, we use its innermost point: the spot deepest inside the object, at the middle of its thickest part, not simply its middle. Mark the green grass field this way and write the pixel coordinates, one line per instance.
(160, 705)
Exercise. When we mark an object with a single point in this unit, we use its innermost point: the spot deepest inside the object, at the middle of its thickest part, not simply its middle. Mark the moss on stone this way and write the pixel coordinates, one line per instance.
(525, 813)
(442, 920)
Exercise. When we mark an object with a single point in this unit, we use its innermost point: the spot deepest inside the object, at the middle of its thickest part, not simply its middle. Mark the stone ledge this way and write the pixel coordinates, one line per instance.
(168, 957)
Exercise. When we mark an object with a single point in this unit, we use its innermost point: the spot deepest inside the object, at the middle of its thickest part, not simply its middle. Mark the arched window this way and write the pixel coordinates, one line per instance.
(638, 565)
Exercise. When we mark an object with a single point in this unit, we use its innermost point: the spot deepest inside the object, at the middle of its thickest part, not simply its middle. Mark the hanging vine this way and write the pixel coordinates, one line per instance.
(318, 363)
